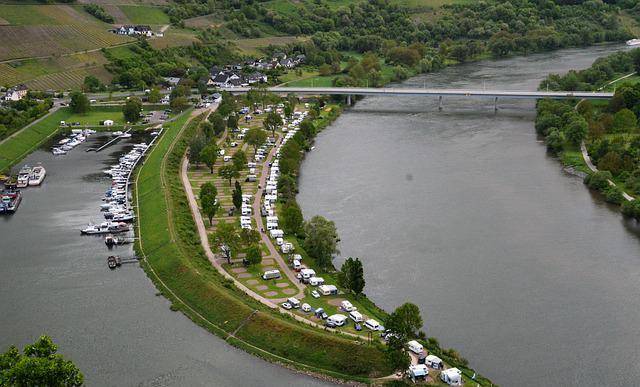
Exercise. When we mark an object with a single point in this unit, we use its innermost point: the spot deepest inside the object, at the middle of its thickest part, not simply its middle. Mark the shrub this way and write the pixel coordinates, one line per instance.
(613, 194)
(631, 209)
(598, 180)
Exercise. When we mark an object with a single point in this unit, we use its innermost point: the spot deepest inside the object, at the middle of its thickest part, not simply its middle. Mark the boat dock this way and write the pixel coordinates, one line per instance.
(108, 143)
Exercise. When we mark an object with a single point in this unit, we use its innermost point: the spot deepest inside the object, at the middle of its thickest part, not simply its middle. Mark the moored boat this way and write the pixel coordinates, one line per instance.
(633, 42)
(9, 201)
(37, 175)
(23, 177)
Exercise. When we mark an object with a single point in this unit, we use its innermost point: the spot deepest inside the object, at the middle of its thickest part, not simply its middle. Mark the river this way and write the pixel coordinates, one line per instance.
(512, 261)
(112, 324)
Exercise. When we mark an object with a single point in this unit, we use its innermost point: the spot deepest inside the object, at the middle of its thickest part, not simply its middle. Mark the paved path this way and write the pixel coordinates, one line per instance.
(263, 234)
(587, 160)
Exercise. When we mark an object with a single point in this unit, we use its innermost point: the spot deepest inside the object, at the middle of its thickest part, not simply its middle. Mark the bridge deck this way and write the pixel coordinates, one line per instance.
(431, 92)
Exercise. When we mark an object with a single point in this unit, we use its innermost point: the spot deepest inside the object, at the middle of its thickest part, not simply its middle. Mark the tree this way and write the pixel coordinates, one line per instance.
(227, 238)
(255, 137)
(179, 104)
(576, 130)
(287, 187)
(237, 195)
(154, 95)
(210, 206)
(624, 121)
(397, 358)
(218, 123)
(79, 103)
(554, 140)
(351, 276)
(209, 154)
(131, 109)
(91, 83)
(321, 240)
(272, 122)
(239, 160)
(228, 172)
(232, 122)
(325, 70)
(254, 255)
(292, 220)
(405, 321)
(196, 145)
(288, 110)
(38, 365)
(207, 129)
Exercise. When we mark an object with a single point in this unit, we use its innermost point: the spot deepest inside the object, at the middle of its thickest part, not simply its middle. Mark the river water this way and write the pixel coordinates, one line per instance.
(511, 260)
(111, 323)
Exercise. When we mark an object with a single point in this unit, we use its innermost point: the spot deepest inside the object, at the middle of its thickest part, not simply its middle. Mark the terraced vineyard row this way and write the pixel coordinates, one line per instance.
(36, 41)
(68, 79)
(9, 76)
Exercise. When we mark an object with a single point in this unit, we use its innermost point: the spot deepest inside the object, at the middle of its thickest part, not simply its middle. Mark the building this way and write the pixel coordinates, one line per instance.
(130, 30)
(15, 93)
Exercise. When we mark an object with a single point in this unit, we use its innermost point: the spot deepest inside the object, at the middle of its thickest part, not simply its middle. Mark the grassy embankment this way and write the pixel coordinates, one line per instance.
(176, 262)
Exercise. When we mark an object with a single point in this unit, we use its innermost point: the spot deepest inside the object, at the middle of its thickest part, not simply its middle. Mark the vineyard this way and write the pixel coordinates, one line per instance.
(68, 79)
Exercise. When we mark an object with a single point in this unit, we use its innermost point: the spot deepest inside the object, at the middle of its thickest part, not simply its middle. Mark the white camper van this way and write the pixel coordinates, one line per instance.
(271, 274)
(415, 347)
(337, 319)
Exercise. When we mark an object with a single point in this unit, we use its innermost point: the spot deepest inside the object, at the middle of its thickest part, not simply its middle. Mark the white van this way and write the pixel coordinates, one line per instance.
(356, 316)
(294, 302)
(372, 324)
(297, 256)
(347, 306)
(296, 265)
(272, 226)
(246, 210)
(337, 319)
(316, 281)
(286, 248)
(415, 347)
(279, 241)
(271, 274)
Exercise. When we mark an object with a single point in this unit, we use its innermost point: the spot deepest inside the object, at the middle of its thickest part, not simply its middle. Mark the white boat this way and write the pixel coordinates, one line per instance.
(117, 133)
(37, 175)
(58, 151)
(125, 135)
(105, 228)
(23, 177)
(64, 141)
(633, 42)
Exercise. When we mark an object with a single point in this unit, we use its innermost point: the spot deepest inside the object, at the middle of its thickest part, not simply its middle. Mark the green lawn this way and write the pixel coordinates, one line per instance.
(143, 14)
(17, 147)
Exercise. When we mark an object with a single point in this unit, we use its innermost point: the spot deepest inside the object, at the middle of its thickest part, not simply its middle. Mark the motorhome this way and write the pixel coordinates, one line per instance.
(246, 210)
(451, 376)
(271, 274)
(372, 324)
(286, 248)
(296, 265)
(337, 319)
(434, 362)
(251, 178)
(415, 347)
(272, 219)
(316, 281)
(355, 316)
(327, 290)
(277, 233)
(272, 226)
(279, 241)
(306, 274)
(347, 306)
(294, 302)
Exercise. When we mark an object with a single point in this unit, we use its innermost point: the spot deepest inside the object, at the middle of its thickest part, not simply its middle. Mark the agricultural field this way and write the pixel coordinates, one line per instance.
(173, 38)
(55, 73)
(204, 22)
(51, 30)
(144, 14)
(252, 46)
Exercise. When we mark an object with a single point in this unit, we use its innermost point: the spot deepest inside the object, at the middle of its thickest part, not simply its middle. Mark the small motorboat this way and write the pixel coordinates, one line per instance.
(117, 133)
(125, 135)
(114, 261)
(633, 42)
(37, 175)
(9, 201)
(112, 240)
(105, 228)
(23, 177)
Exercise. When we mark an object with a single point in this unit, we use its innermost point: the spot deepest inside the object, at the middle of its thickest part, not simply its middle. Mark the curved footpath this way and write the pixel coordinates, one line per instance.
(593, 168)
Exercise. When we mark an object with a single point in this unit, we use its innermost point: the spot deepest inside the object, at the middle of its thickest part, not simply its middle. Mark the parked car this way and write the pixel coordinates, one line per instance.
(286, 305)
(306, 307)
(320, 313)
(315, 294)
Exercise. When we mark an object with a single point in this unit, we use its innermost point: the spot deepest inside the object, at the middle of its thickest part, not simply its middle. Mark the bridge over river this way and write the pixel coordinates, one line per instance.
(440, 93)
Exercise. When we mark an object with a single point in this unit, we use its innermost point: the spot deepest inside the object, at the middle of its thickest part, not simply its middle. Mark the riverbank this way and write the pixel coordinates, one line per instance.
(178, 266)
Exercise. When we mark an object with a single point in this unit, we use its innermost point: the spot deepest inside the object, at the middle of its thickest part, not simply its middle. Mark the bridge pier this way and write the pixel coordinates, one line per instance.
(348, 99)
(495, 104)
(440, 102)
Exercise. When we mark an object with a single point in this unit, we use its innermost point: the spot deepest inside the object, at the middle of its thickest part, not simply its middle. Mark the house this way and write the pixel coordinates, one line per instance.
(16, 93)
(171, 81)
(142, 30)
(418, 371)
(256, 77)
(451, 376)
(288, 63)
